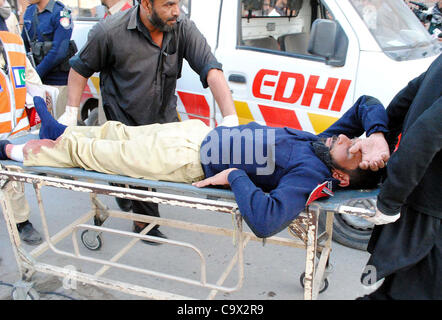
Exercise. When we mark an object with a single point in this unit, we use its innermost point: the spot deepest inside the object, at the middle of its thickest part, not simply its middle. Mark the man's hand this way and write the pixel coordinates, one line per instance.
(219, 179)
(375, 151)
(230, 121)
(380, 218)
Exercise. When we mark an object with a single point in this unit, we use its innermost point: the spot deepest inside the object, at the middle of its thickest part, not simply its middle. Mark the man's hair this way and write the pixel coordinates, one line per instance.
(359, 179)
(364, 179)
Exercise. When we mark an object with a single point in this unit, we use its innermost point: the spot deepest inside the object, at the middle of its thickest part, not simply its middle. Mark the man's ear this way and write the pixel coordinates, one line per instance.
(146, 5)
(344, 178)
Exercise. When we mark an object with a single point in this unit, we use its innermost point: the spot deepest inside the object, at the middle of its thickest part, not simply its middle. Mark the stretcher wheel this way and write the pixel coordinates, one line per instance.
(324, 284)
(91, 240)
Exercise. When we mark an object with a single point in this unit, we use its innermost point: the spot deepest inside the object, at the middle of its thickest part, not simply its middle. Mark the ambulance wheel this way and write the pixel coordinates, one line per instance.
(348, 230)
(324, 284)
(91, 240)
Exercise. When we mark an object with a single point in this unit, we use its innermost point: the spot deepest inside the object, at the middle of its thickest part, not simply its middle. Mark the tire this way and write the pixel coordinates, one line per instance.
(350, 231)
(92, 119)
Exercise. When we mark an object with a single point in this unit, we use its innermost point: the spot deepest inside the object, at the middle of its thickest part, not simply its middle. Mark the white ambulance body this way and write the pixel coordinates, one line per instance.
(365, 47)
(292, 87)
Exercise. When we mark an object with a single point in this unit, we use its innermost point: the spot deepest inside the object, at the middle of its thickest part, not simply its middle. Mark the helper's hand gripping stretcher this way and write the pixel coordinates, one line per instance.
(304, 229)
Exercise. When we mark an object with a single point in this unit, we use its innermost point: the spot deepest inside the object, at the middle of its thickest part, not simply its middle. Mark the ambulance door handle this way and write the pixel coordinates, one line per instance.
(237, 78)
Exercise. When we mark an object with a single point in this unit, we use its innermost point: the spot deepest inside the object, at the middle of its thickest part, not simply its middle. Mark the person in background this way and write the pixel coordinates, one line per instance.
(114, 6)
(12, 25)
(47, 31)
(19, 61)
(436, 20)
(279, 9)
(266, 8)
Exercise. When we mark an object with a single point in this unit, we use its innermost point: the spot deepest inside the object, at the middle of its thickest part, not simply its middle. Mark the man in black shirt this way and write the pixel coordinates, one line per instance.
(139, 54)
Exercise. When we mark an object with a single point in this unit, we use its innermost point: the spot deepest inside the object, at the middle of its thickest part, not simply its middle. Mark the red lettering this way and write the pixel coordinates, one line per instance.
(341, 93)
(282, 83)
(327, 92)
(256, 88)
(311, 89)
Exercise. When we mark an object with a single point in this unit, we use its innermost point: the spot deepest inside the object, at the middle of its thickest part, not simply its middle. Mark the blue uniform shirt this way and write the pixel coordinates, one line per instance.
(269, 199)
(54, 24)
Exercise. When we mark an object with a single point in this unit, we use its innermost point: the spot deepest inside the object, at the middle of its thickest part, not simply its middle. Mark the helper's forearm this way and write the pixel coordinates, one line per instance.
(221, 92)
(76, 85)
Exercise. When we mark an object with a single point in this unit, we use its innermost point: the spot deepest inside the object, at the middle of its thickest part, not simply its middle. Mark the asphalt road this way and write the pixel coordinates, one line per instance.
(271, 272)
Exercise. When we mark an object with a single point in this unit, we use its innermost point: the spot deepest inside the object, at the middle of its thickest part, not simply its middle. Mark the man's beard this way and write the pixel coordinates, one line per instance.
(161, 25)
(323, 152)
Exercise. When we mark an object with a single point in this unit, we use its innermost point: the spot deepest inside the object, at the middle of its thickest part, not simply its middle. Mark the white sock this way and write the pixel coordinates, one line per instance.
(17, 152)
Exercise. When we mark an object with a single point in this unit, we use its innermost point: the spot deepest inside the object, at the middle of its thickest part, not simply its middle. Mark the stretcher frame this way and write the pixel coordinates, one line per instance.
(304, 229)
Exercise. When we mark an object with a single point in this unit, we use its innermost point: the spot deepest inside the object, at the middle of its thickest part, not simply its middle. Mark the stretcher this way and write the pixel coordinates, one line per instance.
(304, 230)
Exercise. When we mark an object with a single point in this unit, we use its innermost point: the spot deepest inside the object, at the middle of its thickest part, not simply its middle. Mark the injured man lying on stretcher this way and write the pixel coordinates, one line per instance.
(271, 171)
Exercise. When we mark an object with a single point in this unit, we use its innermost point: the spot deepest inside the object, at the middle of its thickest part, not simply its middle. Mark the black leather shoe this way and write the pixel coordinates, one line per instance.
(28, 234)
(154, 233)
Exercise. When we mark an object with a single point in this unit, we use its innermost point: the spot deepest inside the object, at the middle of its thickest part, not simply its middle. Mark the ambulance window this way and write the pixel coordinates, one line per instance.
(278, 26)
(86, 9)
(185, 7)
(94, 10)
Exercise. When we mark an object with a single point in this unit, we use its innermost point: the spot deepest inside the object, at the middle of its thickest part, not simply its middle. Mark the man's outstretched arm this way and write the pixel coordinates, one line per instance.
(76, 85)
(223, 96)
(268, 213)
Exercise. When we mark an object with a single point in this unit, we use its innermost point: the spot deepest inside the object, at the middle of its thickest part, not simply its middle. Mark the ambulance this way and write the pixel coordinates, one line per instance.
(297, 63)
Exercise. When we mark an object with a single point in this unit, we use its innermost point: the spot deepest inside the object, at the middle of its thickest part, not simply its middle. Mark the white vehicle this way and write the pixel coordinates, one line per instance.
(300, 65)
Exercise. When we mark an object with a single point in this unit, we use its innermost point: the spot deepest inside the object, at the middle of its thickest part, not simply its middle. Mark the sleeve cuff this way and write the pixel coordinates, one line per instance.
(206, 69)
(235, 175)
(79, 66)
(377, 128)
(386, 210)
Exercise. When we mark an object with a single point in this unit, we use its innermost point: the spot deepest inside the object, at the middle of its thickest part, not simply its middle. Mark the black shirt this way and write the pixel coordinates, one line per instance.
(137, 77)
(415, 169)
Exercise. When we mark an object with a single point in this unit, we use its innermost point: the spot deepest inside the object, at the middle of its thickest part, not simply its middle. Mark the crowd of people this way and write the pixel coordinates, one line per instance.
(430, 15)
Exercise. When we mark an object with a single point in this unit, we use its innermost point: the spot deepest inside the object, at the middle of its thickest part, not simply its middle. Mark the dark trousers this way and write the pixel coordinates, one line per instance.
(422, 281)
(139, 207)
(117, 114)
(408, 254)
(145, 208)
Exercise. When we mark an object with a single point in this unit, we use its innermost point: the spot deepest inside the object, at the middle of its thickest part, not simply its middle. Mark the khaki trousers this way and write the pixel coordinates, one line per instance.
(167, 152)
(62, 99)
(17, 201)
